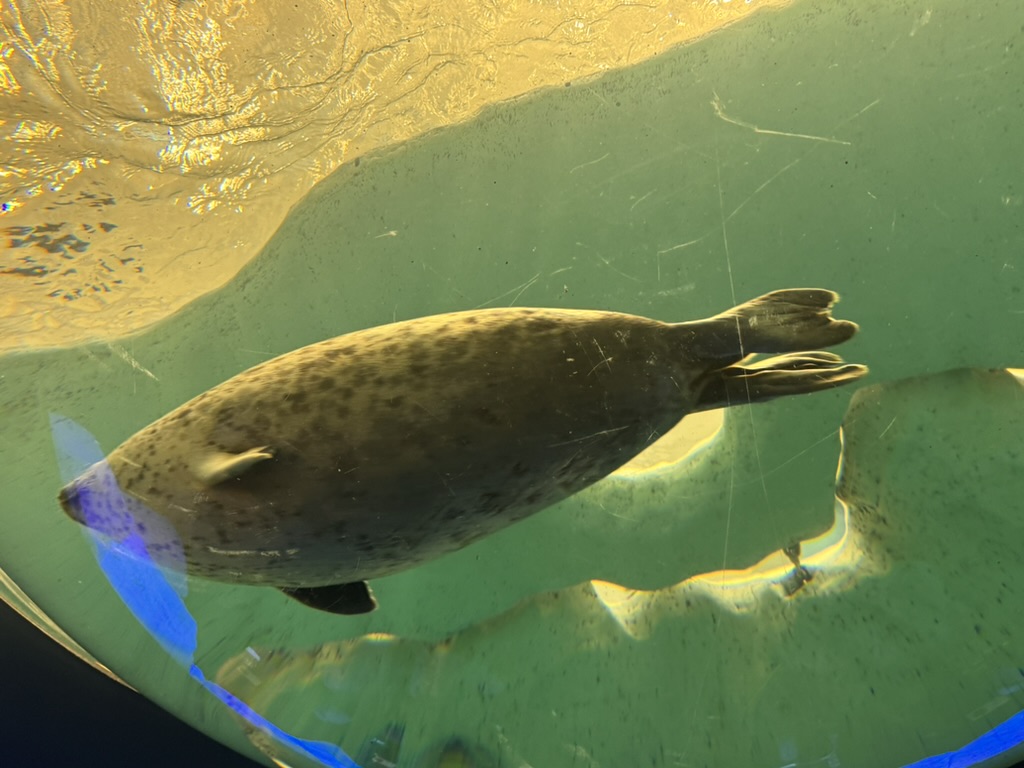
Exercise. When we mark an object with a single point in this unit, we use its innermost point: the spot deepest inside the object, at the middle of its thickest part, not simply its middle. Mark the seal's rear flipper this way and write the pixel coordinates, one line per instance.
(774, 377)
(344, 599)
(790, 320)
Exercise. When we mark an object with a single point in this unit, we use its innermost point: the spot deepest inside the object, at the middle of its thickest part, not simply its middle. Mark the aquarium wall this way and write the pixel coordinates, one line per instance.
(819, 564)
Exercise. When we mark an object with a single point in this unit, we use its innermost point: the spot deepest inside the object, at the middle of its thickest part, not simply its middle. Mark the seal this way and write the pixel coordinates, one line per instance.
(372, 452)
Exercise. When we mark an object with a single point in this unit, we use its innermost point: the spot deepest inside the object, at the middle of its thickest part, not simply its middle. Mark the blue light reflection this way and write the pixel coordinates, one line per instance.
(153, 594)
(1000, 739)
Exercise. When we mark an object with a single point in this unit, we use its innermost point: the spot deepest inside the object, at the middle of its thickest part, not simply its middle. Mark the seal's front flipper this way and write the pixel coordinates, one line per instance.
(344, 599)
(217, 467)
(774, 377)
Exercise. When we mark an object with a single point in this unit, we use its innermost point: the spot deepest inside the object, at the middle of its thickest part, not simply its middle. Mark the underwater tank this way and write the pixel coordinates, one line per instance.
(821, 563)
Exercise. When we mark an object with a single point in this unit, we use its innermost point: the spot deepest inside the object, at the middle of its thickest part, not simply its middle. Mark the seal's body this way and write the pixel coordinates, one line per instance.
(372, 452)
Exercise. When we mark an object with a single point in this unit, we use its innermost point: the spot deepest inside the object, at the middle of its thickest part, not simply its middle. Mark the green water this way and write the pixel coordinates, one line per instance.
(874, 151)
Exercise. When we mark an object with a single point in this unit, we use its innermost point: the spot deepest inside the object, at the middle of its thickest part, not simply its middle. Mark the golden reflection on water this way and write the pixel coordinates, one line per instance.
(240, 107)
(198, 80)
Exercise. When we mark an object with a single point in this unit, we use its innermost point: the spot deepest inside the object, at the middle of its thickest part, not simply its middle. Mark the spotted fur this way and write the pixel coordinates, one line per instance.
(372, 452)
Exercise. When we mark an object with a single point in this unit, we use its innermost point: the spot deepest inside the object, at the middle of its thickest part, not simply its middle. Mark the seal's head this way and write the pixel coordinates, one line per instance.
(73, 503)
(70, 502)
(96, 501)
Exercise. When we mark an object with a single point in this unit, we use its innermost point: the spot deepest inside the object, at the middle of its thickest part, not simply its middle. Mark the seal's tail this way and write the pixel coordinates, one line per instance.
(781, 321)
(794, 374)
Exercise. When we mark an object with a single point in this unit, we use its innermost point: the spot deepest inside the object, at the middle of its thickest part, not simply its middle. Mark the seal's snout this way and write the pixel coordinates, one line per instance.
(69, 502)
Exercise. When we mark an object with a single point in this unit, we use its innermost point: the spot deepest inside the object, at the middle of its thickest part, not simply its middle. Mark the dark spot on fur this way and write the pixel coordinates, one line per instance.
(453, 513)
(491, 503)
(541, 325)
(396, 401)
(534, 497)
(487, 416)
(325, 384)
(345, 393)
(418, 369)
(519, 469)
(470, 320)
(453, 352)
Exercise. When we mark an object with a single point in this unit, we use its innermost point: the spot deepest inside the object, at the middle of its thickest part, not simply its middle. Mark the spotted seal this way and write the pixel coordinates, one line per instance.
(375, 451)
